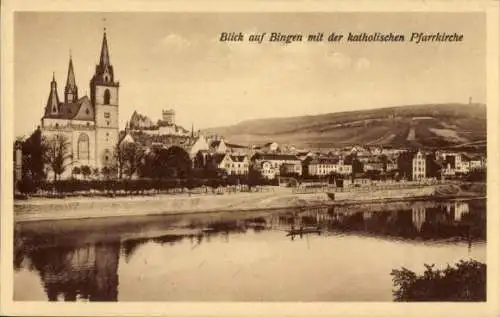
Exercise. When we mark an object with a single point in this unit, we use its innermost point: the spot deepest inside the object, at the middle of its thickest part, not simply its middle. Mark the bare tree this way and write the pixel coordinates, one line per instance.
(57, 153)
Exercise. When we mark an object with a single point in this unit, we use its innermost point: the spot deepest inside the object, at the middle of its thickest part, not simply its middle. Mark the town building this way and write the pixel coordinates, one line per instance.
(232, 164)
(88, 125)
(327, 165)
(374, 164)
(270, 165)
(458, 163)
(419, 166)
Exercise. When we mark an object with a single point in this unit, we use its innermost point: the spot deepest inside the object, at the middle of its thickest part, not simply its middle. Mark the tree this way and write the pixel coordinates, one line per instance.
(57, 153)
(128, 158)
(33, 152)
(96, 172)
(146, 168)
(172, 162)
(76, 171)
(200, 160)
(109, 171)
(254, 177)
(465, 281)
(86, 171)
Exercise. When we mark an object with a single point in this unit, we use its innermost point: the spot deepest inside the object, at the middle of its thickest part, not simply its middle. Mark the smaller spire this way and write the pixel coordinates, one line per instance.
(53, 83)
(52, 106)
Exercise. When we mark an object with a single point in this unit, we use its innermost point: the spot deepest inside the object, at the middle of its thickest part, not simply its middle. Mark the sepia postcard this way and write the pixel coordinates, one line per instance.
(255, 158)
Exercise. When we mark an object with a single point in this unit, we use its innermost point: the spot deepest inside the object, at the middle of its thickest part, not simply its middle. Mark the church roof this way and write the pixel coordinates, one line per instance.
(71, 111)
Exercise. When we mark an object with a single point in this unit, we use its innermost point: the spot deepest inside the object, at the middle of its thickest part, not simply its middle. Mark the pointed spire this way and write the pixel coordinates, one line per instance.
(52, 107)
(192, 130)
(104, 70)
(104, 60)
(71, 90)
(70, 81)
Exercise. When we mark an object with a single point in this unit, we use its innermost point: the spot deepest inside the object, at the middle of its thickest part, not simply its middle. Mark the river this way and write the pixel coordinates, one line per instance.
(348, 254)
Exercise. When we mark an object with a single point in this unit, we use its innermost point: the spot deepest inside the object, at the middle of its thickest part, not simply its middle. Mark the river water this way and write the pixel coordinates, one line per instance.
(346, 254)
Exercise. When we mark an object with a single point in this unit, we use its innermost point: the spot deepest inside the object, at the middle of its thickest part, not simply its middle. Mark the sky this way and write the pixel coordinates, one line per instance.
(175, 60)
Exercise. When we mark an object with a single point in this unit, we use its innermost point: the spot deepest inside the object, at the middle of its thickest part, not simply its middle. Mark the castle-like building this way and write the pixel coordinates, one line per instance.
(165, 126)
(89, 123)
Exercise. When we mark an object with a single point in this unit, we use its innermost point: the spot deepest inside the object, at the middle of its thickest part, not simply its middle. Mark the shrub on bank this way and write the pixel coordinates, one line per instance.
(466, 281)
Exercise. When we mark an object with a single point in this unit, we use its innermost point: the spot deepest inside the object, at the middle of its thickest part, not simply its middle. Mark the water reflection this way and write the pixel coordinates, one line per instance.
(87, 272)
(79, 261)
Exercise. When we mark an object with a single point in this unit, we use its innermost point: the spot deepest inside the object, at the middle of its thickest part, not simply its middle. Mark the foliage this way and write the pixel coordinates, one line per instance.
(57, 153)
(166, 163)
(33, 150)
(27, 185)
(109, 171)
(254, 177)
(76, 171)
(464, 282)
(128, 158)
(72, 186)
(86, 171)
(478, 175)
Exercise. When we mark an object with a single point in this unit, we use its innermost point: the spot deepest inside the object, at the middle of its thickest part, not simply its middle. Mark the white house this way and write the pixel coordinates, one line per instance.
(418, 166)
(328, 165)
(232, 164)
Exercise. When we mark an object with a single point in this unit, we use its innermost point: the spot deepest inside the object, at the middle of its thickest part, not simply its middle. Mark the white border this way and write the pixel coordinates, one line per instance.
(491, 308)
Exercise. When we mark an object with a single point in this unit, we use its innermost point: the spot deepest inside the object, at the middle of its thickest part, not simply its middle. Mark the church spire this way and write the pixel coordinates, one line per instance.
(104, 70)
(52, 107)
(104, 60)
(71, 90)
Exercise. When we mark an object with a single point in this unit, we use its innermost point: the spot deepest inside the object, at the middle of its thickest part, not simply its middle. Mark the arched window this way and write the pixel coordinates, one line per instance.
(83, 147)
(107, 97)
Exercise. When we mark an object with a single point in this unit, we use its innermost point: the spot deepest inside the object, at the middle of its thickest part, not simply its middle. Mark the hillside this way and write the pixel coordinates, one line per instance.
(439, 125)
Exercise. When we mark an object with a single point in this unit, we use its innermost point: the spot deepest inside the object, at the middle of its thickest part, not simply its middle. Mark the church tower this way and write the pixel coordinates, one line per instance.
(104, 98)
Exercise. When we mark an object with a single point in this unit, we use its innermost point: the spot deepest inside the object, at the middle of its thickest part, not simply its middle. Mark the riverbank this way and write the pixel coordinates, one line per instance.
(97, 207)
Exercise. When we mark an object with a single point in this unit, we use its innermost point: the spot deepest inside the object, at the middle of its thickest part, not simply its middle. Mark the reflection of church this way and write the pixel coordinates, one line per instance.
(88, 272)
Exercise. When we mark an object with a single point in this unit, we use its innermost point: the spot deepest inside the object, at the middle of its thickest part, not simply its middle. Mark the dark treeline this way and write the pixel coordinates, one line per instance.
(134, 186)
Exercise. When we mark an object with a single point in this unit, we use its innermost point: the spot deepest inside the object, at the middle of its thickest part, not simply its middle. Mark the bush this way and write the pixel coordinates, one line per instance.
(464, 282)
(27, 185)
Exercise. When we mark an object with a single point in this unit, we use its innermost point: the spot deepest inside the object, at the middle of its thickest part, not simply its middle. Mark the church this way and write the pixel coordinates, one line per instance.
(89, 123)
